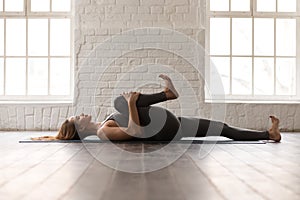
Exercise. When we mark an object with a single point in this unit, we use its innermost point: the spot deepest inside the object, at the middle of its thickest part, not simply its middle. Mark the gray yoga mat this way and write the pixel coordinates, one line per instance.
(182, 141)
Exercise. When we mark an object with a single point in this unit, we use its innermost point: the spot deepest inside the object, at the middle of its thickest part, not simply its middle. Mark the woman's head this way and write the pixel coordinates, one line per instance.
(68, 131)
(70, 128)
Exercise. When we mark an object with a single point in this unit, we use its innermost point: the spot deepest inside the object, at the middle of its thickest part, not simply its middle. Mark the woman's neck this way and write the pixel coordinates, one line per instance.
(91, 129)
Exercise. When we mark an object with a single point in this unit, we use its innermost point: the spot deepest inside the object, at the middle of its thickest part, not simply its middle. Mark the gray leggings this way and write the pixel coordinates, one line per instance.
(161, 124)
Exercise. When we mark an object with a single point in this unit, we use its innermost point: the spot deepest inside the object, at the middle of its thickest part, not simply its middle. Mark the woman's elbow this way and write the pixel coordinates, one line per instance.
(101, 135)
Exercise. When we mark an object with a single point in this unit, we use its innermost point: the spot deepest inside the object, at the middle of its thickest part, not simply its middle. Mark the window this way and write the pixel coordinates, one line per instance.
(35, 50)
(254, 46)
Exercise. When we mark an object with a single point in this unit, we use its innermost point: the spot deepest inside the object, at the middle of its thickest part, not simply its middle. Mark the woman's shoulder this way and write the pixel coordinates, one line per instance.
(109, 117)
(116, 119)
(110, 120)
(110, 123)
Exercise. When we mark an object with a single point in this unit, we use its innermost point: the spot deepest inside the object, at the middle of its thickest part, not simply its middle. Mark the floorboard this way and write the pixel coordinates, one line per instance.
(69, 171)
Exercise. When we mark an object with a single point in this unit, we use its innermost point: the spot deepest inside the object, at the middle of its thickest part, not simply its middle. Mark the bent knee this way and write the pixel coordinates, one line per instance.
(120, 104)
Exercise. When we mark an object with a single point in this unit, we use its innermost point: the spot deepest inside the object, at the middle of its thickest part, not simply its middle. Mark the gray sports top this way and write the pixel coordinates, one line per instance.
(158, 129)
(120, 119)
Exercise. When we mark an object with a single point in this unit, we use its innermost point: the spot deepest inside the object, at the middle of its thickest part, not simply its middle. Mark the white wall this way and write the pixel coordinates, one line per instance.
(107, 63)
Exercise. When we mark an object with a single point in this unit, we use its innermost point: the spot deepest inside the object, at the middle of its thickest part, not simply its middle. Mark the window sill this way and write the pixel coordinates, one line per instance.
(65, 102)
(252, 101)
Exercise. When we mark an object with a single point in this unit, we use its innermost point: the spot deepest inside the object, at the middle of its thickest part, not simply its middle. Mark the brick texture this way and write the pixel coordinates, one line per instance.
(123, 45)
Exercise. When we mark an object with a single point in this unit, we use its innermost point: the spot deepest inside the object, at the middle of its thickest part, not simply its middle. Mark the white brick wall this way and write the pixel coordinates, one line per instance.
(104, 69)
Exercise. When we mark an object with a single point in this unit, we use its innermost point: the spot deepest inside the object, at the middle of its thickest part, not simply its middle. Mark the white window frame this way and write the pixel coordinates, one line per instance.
(251, 14)
(28, 14)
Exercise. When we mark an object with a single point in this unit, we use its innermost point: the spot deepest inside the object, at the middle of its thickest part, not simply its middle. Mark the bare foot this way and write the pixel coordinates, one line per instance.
(170, 90)
(274, 133)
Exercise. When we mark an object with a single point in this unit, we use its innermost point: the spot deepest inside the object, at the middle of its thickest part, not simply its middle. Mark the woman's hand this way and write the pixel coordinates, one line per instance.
(131, 97)
(133, 128)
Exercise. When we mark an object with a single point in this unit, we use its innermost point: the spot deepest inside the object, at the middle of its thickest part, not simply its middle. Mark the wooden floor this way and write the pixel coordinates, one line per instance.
(230, 171)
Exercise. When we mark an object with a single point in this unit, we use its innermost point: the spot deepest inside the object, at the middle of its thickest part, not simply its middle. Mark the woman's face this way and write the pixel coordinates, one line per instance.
(82, 121)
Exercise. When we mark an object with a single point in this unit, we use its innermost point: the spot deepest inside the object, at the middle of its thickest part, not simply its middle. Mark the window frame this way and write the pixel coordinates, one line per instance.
(252, 13)
(28, 14)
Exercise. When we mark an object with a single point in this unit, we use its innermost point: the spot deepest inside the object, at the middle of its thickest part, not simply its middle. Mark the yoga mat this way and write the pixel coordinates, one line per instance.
(182, 141)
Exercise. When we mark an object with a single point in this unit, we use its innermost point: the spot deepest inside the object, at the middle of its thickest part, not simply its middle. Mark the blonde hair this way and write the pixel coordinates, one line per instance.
(67, 131)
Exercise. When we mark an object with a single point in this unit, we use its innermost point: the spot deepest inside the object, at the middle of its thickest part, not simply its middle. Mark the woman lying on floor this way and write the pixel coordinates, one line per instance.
(137, 119)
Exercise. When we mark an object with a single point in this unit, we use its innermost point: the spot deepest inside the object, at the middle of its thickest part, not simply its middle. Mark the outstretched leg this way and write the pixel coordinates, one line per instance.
(245, 134)
(236, 133)
(194, 127)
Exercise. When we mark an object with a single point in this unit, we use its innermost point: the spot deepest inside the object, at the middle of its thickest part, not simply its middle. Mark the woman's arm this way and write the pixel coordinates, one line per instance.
(107, 132)
(134, 128)
(112, 132)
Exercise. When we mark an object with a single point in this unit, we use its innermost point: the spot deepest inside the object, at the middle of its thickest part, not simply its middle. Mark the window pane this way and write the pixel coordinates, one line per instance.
(241, 76)
(287, 6)
(266, 5)
(240, 5)
(264, 37)
(15, 37)
(222, 65)
(61, 5)
(38, 76)
(60, 37)
(15, 76)
(219, 5)
(60, 76)
(219, 36)
(1, 76)
(38, 37)
(286, 76)
(1, 37)
(264, 76)
(40, 5)
(14, 5)
(1, 5)
(286, 37)
(242, 36)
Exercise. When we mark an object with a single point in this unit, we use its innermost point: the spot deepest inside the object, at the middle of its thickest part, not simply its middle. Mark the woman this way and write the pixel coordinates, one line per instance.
(138, 120)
